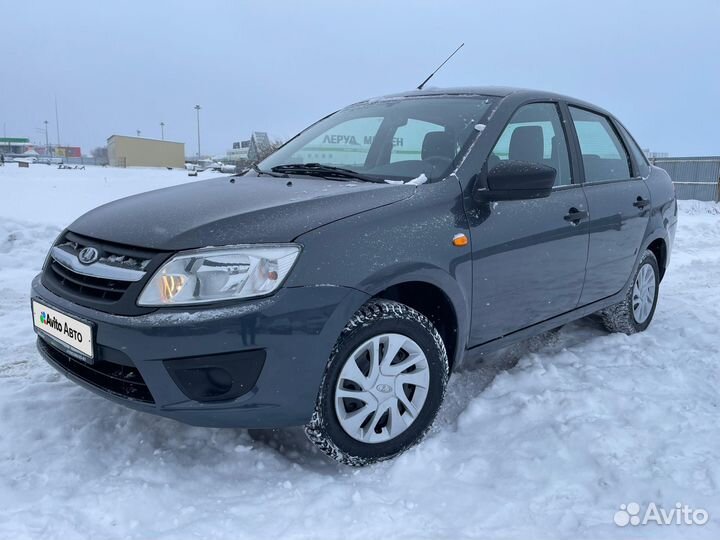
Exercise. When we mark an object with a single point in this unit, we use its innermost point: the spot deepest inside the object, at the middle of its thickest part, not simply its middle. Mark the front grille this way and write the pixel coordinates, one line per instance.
(121, 380)
(99, 288)
(112, 283)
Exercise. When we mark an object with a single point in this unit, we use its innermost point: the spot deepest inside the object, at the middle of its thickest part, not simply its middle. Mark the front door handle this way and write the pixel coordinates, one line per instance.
(575, 216)
(641, 203)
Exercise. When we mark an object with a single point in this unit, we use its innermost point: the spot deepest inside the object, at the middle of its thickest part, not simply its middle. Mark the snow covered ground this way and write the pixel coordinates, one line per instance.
(546, 440)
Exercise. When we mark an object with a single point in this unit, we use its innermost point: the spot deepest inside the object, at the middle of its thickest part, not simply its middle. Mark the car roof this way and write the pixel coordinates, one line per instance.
(521, 94)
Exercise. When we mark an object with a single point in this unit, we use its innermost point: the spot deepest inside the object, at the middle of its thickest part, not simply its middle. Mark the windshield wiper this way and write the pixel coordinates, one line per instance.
(268, 173)
(326, 171)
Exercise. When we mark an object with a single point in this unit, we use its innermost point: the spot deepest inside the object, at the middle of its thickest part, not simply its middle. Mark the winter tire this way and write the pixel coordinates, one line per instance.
(383, 386)
(636, 311)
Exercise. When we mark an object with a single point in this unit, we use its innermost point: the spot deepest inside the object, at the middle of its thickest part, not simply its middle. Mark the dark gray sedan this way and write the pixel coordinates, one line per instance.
(338, 283)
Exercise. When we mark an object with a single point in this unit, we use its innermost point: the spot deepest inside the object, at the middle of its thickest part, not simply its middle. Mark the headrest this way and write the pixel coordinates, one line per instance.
(438, 144)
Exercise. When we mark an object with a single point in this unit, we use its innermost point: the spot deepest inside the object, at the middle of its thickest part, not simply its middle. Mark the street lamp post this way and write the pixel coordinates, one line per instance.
(47, 141)
(162, 130)
(197, 109)
(57, 123)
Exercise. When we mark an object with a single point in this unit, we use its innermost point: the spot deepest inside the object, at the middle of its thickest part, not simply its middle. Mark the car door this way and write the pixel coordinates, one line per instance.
(528, 256)
(618, 202)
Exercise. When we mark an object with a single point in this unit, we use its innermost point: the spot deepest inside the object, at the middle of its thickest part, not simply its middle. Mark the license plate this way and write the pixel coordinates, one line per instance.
(75, 334)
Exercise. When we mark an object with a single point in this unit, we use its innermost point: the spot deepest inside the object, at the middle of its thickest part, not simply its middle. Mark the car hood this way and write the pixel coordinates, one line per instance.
(227, 211)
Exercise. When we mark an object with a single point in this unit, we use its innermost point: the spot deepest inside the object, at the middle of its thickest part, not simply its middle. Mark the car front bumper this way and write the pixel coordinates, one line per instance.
(272, 352)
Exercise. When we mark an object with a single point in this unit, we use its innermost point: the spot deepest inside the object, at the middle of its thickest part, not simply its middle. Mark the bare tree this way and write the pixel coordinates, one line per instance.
(268, 149)
(101, 155)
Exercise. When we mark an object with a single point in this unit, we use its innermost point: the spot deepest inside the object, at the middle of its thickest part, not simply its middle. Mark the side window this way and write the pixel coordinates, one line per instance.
(348, 143)
(409, 139)
(603, 154)
(535, 134)
(639, 156)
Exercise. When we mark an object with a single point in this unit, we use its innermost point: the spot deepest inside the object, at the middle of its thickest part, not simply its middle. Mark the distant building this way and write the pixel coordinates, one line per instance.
(259, 145)
(59, 151)
(14, 145)
(251, 150)
(239, 152)
(126, 151)
(655, 155)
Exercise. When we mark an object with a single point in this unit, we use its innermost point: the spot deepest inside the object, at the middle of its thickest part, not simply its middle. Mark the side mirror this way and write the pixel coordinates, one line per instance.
(512, 180)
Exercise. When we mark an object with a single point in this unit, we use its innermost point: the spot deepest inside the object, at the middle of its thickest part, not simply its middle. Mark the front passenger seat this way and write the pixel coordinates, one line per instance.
(527, 144)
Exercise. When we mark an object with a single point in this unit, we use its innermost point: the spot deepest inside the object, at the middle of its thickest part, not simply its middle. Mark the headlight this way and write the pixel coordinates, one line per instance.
(214, 274)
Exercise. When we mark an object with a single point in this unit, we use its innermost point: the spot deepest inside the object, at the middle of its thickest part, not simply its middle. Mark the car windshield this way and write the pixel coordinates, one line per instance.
(388, 139)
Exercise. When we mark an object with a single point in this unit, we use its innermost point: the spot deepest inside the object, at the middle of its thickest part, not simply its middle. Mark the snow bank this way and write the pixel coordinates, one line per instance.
(693, 208)
(21, 241)
(59, 196)
(544, 440)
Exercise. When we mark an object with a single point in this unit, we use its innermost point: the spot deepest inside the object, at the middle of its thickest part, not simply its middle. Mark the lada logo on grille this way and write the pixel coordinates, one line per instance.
(88, 255)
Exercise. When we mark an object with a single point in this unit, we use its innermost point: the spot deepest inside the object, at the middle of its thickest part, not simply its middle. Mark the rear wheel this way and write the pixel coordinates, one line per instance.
(383, 386)
(636, 311)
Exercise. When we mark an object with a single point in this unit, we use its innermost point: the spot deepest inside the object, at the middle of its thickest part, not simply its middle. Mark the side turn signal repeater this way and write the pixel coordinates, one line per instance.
(460, 240)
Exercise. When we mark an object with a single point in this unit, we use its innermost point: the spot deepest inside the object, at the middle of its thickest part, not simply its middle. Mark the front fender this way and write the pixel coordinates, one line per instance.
(408, 241)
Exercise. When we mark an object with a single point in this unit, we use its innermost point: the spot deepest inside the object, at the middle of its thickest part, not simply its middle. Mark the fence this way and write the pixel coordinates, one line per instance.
(694, 177)
(71, 161)
(701, 191)
(85, 161)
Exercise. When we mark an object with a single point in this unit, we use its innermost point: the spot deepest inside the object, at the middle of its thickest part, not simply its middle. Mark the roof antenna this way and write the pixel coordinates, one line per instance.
(438, 68)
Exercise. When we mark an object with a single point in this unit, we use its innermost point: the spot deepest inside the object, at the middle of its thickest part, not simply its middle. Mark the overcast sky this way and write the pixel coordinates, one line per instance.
(274, 66)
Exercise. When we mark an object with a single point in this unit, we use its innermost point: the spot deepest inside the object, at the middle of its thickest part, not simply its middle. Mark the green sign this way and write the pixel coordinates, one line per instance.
(14, 140)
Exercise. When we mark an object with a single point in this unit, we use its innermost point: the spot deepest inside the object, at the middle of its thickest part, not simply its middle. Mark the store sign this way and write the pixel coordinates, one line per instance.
(352, 140)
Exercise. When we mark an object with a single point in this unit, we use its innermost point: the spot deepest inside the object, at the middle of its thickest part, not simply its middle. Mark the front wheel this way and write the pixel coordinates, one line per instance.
(636, 311)
(384, 384)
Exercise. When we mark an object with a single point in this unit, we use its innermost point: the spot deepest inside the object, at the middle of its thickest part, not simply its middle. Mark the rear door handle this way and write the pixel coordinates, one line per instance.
(641, 203)
(574, 216)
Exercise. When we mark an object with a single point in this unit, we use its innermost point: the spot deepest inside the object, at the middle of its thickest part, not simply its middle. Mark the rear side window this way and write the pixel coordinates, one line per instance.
(638, 155)
(603, 154)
